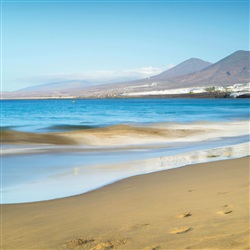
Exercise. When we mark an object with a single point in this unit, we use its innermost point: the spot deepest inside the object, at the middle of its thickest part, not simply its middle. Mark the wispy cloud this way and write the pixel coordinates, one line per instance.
(99, 76)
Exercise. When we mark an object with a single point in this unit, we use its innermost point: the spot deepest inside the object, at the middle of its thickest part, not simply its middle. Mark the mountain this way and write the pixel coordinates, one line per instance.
(57, 86)
(187, 67)
(69, 87)
(230, 70)
(226, 72)
(56, 89)
(74, 87)
(190, 73)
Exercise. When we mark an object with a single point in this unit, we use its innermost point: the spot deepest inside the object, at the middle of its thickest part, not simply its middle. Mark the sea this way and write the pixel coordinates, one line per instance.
(34, 173)
(65, 115)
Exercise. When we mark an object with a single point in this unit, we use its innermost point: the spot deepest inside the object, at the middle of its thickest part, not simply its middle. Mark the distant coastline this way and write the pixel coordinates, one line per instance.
(193, 78)
(219, 95)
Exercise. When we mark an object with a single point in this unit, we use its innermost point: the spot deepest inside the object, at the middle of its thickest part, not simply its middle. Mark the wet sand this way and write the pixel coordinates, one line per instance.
(203, 206)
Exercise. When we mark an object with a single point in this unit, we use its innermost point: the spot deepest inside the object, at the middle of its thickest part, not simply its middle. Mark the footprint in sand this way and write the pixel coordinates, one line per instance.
(184, 215)
(153, 248)
(77, 242)
(94, 244)
(225, 212)
(110, 244)
(226, 209)
(179, 230)
(138, 226)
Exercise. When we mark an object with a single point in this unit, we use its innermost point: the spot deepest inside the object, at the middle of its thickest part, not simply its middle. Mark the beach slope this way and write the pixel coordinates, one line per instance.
(203, 206)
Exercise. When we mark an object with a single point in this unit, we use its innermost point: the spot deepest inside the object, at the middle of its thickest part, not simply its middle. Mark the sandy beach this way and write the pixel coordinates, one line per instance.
(203, 206)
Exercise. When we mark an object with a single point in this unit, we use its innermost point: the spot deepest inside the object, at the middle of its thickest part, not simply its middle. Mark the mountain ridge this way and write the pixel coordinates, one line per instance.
(227, 71)
(193, 72)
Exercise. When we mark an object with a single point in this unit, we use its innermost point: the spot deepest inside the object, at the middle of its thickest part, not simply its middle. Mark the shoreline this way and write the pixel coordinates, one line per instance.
(207, 203)
(70, 179)
(106, 155)
(136, 97)
(204, 95)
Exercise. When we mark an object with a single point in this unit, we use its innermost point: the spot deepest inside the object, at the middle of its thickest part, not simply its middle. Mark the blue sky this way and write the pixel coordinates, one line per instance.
(47, 41)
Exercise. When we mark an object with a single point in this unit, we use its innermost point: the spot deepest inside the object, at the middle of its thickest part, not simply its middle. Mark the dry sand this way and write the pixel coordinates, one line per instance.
(203, 206)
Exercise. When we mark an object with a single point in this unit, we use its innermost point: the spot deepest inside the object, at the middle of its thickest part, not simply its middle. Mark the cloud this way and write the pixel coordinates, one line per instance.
(89, 77)
(99, 76)
(144, 71)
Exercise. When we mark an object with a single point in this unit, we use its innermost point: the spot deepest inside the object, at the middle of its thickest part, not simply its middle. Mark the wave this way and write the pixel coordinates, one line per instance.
(5, 128)
(17, 137)
(93, 135)
(69, 127)
(119, 135)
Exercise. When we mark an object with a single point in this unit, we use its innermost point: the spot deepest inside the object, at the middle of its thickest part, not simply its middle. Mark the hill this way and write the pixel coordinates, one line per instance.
(230, 70)
(187, 67)
(193, 72)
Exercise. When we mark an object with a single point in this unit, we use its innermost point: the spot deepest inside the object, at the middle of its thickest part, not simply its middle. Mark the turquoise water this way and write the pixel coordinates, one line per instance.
(63, 115)
(47, 172)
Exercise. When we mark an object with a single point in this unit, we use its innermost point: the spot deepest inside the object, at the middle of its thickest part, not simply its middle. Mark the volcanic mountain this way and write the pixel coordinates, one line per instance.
(190, 73)
(228, 71)
(189, 66)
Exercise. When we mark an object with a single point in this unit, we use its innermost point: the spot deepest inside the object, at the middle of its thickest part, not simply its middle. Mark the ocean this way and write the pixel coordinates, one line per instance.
(63, 115)
(42, 172)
